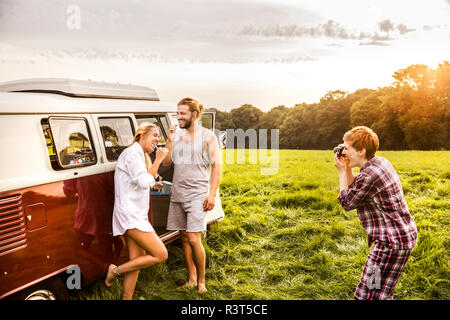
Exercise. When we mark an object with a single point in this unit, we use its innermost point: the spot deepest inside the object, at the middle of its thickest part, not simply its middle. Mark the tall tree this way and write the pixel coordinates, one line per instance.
(246, 117)
(412, 113)
(423, 110)
(223, 120)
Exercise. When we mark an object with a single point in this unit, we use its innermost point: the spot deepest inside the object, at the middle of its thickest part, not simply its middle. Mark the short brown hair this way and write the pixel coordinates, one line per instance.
(193, 105)
(363, 137)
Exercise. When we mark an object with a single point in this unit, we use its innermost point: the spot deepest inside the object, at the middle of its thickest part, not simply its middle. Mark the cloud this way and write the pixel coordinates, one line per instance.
(386, 25)
(374, 43)
(404, 29)
(377, 37)
(289, 59)
(145, 21)
(182, 30)
(331, 29)
(430, 28)
(231, 31)
(20, 55)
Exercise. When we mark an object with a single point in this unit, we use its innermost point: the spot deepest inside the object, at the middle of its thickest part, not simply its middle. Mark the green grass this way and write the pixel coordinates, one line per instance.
(285, 236)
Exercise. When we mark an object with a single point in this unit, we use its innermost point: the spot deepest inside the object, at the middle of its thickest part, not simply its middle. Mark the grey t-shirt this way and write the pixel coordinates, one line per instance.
(192, 167)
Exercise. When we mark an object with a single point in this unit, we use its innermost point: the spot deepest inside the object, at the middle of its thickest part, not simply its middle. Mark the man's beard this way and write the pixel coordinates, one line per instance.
(187, 124)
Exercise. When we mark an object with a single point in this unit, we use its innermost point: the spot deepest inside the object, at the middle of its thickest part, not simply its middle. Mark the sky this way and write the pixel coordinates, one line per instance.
(224, 53)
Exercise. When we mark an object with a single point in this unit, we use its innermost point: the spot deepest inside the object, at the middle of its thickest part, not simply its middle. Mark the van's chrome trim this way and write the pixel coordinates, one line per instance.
(169, 236)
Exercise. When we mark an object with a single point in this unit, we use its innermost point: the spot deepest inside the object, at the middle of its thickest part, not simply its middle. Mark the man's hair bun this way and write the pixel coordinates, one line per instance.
(193, 105)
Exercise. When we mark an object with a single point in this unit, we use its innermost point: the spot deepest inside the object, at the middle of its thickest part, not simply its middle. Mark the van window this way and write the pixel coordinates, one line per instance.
(72, 142)
(50, 144)
(160, 121)
(173, 117)
(207, 121)
(117, 135)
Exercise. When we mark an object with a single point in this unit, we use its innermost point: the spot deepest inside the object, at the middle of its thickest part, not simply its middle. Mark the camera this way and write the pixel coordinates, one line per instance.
(338, 150)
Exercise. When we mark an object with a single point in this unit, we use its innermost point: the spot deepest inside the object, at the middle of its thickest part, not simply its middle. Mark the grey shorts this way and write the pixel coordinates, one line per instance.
(187, 216)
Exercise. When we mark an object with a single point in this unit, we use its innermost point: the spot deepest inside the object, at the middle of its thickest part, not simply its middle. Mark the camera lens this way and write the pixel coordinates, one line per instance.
(338, 150)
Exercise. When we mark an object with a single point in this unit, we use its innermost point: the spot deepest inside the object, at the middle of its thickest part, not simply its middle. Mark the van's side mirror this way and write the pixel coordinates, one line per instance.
(222, 139)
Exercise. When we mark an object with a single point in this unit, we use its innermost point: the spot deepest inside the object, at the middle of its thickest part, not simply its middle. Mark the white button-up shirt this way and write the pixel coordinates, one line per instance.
(132, 184)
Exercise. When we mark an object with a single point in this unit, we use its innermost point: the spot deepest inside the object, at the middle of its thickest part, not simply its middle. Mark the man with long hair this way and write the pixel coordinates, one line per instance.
(194, 150)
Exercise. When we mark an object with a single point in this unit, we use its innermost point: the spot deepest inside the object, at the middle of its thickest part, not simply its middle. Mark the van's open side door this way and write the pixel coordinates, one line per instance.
(208, 120)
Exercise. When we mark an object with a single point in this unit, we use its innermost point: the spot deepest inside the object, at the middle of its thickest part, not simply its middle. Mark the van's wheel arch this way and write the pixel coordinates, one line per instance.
(50, 289)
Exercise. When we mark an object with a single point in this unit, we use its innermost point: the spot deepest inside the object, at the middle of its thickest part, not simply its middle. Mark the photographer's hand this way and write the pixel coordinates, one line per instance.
(342, 166)
(340, 163)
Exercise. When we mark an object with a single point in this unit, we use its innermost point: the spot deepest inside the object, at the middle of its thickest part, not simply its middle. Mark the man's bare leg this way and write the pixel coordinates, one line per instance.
(190, 266)
(199, 257)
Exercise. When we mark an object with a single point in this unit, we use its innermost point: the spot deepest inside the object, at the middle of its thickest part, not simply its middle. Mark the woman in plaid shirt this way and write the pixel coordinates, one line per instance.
(376, 194)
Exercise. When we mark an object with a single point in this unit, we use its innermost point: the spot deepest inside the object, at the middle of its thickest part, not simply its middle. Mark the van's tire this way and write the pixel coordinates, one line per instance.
(50, 289)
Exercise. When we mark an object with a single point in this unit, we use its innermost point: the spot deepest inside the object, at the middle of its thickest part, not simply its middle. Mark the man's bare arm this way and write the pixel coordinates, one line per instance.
(216, 166)
(216, 173)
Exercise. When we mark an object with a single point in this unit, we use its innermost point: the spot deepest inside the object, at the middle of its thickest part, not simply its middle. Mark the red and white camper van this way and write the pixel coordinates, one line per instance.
(60, 140)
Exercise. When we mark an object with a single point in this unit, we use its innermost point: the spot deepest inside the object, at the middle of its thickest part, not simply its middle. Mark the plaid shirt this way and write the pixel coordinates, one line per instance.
(377, 195)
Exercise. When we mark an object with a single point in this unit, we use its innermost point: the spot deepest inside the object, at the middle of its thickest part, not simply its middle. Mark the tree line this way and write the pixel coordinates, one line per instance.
(412, 113)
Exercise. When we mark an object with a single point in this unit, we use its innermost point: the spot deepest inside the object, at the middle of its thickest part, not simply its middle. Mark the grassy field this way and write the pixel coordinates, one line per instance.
(285, 235)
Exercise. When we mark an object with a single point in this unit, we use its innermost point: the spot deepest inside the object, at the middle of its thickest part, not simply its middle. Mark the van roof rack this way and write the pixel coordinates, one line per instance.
(81, 88)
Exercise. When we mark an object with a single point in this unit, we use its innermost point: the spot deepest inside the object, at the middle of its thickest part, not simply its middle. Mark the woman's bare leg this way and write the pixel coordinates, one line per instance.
(155, 250)
(139, 242)
(130, 278)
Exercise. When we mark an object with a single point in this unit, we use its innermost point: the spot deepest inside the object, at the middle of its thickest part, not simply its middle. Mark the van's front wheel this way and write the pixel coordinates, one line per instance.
(41, 295)
(50, 289)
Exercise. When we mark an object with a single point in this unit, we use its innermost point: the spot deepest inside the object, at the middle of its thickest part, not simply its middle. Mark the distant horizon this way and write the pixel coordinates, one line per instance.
(224, 53)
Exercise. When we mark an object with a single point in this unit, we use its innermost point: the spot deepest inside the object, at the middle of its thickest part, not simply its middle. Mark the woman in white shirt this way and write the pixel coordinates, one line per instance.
(134, 176)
